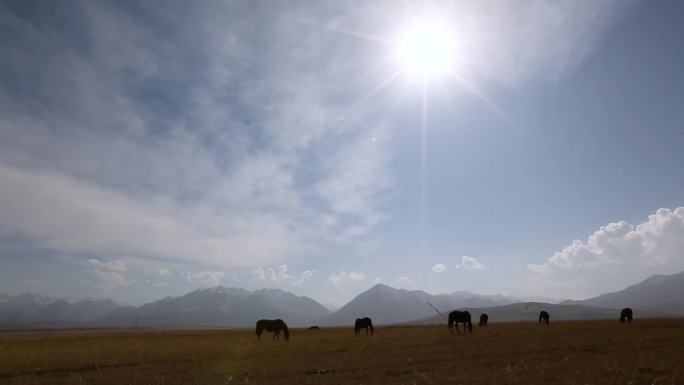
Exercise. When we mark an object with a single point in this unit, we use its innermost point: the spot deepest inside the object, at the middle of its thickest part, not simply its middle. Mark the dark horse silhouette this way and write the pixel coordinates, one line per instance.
(460, 317)
(363, 323)
(484, 318)
(544, 317)
(626, 315)
(272, 325)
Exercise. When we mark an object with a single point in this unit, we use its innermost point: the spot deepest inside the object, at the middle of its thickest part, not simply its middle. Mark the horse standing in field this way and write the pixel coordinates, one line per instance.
(272, 325)
(460, 317)
(363, 323)
(544, 317)
(626, 315)
(484, 318)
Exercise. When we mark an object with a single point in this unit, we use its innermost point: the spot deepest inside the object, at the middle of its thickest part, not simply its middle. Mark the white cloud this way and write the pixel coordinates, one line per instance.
(342, 278)
(306, 275)
(269, 274)
(110, 273)
(439, 268)
(535, 39)
(164, 272)
(208, 277)
(470, 263)
(281, 274)
(658, 241)
(377, 280)
(115, 265)
(405, 283)
(241, 181)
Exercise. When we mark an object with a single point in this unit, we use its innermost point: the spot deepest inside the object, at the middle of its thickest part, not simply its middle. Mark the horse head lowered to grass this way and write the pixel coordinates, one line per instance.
(275, 326)
(456, 317)
(363, 323)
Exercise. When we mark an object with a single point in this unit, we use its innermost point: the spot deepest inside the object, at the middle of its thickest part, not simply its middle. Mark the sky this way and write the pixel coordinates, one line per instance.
(152, 148)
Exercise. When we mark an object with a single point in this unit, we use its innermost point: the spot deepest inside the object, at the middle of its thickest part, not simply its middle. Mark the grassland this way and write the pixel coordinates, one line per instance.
(584, 352)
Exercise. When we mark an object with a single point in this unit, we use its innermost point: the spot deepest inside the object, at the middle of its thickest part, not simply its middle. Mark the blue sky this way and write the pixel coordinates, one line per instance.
(149, 149)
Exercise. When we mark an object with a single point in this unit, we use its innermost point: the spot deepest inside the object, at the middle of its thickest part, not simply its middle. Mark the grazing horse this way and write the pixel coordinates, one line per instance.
(544, 317)
(363, 323)
(272, 325)
(626, 315)
(315, 327)
(460, 317)
(484, 318)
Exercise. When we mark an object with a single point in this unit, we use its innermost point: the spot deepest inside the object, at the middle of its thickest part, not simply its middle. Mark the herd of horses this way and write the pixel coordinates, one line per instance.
(455, 317)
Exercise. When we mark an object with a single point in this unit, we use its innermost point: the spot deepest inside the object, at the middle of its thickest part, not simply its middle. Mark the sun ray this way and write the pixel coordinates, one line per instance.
(484, 98)
(357, 34)
(356, 104)
(423, 168)
(380, 86)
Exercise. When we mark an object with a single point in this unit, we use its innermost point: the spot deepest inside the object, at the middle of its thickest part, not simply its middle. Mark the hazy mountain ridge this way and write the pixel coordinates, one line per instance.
(217, 307)
(33, 308)
(656, 293)
(385, 304)
(657, 296)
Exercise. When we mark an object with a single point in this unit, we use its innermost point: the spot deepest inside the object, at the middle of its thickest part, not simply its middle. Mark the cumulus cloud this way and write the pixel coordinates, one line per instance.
(657, 241)
(115, 265)
(470, 263)
(269, 274)
(110, 273)
(281, 274)
(211, 278)
(306, 275)
(439, 268)
(405, 283)
(343, 278)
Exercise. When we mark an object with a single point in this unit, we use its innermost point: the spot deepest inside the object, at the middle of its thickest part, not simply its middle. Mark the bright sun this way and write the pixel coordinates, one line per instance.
(427, 49)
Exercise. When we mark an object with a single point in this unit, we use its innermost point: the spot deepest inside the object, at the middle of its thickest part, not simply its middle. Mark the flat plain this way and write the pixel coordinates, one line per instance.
(579, 352)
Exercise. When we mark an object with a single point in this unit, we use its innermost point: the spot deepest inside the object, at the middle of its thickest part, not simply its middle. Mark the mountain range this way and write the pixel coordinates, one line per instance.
(657, 296)
(386, 305)
(656, 293)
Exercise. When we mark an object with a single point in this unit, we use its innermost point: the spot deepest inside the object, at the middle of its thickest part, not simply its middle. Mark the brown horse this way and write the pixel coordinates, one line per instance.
(484, 318)
(272, 325)
(457, 317)
(544, 317)
(363, 323)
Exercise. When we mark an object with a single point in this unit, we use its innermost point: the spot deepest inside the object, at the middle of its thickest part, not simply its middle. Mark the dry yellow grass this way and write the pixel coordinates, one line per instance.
(589, 352)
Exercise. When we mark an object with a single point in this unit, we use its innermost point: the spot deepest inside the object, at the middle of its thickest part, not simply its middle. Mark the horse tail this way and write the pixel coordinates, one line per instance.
(286, 331)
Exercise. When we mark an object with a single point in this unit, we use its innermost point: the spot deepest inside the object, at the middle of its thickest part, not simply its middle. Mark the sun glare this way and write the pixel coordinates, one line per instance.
(427, 49)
